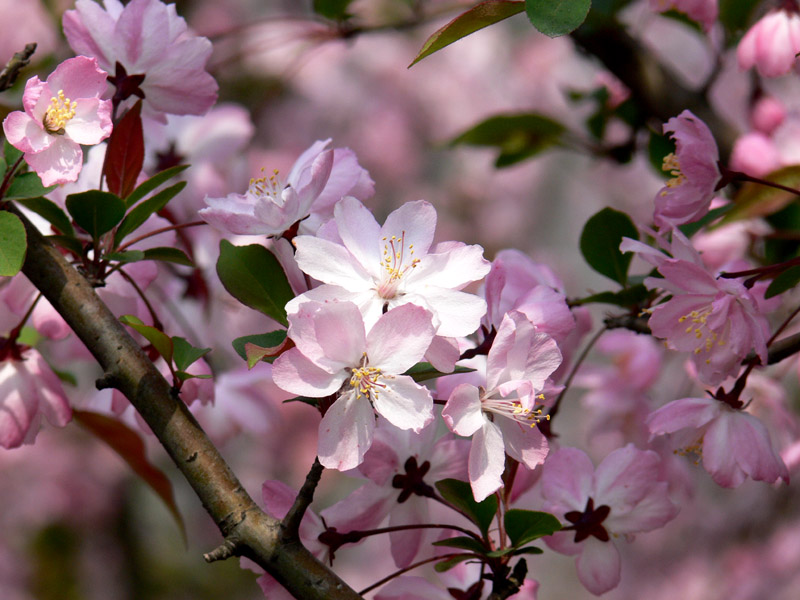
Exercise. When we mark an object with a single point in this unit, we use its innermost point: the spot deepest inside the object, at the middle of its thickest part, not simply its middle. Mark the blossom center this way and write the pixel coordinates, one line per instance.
(589, 522)
(58, 114)
(364, 380)
(673, 167)
(397, 261)
(512, 408)
(412, 481)
(267, 188)
(706, 337)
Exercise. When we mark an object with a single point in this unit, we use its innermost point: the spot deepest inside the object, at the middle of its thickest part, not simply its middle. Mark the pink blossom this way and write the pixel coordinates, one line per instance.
(756, 154)
(772, 44)
(718, 320)
(519, 362)
(695, 171)
(28, 390)
(733, 443)
(334, 353)
(379, 268)
(61, 114)
(319, 178)
(623, 496)
(767, 114)
(150, 51)
(702, 11)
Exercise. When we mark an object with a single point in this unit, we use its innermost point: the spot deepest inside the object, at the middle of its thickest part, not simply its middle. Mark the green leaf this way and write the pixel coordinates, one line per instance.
(691, 228)
(97, 212)
(305, 400)
(160, 340)
(523, 526)
(785, 281)
(184, 354)
(140, 213)
(3, 167)
(264, 340)
(557, 17)
(49, 210)
(68, 243)
(27, 185)
(129, 445)
(128, 256)
(528, 550)
(168, 254)
(658, 148)
(757, 200)
(183, 375)
(10, 153)
(424, 371)
(475, 19)
(459, 494)
(13, 244)
(628, 298)
(449, 563)
(517, 136)
(735, 16)
(600, 242)
(253, 275)
(156, 180)
(336, 10)
(463, 543)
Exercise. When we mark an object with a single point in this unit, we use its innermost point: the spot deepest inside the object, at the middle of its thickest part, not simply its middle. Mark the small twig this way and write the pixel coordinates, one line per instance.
(20, 60)
(406, 570)
(228, 548)
(291, 523)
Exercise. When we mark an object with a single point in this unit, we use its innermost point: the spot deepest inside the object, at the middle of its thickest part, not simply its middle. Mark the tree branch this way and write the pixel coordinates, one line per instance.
(253, 533)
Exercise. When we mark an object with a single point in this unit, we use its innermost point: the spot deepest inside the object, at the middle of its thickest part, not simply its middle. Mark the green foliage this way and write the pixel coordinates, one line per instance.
(555, 18)
(658, 147)
(160, 340)
(50, 211)
(10, 153)
(459, 494)
(475, 19)
(517, 136)
(463, 543)
(424, 371)
(449, 563)
(600, 242)
(335, 10)
(628, 297)
(27, 185)
(97, 212)
(689, 229)
(273, 339)
(758, 200)
(140, 213)
(168, 254)
(151, 184)
(184, 354)
(785, 281)
(253, 275)
(786, 223)
(13, 244)
(523, 526)
(735, 15)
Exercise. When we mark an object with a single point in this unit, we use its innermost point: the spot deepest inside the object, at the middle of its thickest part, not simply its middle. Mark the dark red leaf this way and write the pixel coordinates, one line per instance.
(125, 153)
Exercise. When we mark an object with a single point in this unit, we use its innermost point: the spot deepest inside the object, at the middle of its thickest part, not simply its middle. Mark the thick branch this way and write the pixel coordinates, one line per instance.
(127, 368)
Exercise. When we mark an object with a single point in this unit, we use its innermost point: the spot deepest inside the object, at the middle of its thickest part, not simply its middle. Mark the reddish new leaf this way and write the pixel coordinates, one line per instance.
(480, 16)
(125, 153)
(127, 443)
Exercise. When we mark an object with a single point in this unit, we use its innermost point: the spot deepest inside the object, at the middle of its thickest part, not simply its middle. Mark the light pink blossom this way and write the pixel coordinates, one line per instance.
(502, 417)
(334, 353)
(381, 267)
(319, 178)
(733, 443)
(623, 496)
(695, 171)
(161, 61)
(771, 44)
(61, 114)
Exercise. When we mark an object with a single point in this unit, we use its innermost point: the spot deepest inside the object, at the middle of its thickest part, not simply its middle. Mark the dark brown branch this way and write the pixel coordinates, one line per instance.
(20, 60)
(291, 522)
(126, 366)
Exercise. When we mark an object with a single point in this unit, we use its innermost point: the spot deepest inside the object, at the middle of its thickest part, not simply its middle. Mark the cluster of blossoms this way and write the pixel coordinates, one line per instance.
(372, 301)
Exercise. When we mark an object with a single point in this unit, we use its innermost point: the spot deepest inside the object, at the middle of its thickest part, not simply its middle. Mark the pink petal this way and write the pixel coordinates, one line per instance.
(567, 481)
(78, 77)
(403, 402)
(462, 413)
(415, 222)
(26, 134)
(345, 432)
(91, 123)
(523, 442)
(295, 373)
(598, 566)
(332, 263)
(360, 234)
(90, 31)
(679, 414)
(60, 163)
(400, 338)
(487, 460)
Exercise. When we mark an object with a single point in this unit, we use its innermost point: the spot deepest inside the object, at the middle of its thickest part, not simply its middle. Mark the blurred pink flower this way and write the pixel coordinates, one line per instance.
(772, 43)
(61, 114)
(501, 418)
(702, 11)
(733, 443)
(767, 114)
(379, 267)
(623, 496)
(318, 179)
(334, 353)
(756, 154)
(695, 171)
(150, 52)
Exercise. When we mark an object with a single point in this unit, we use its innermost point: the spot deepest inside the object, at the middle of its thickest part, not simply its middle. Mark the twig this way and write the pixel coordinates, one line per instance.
(290, 527)
(20, 60)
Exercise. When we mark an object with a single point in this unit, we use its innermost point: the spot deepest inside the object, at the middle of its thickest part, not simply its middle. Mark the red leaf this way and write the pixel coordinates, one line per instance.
(125, 153)
(127, 443)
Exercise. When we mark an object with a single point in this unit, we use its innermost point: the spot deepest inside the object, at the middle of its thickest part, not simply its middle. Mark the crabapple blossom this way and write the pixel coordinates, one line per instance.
(695, 171)
(718, 320)
(60, 114)
(501, 418)
(733, 443)
(623, 496)
(382, 267)
(150, 52)
(319, 178)
(334, 353)
(772, 44)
